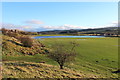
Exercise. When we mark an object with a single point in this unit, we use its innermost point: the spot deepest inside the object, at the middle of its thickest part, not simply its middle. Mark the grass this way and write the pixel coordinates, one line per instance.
(96, 56)
(14, 69)
(28, 58)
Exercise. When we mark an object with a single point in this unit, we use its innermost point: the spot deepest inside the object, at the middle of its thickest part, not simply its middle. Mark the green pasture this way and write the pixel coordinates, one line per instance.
(96, 55)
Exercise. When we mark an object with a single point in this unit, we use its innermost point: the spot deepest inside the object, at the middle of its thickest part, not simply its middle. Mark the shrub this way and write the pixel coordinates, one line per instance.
(26, 41)
(11, 34)
(3, 31)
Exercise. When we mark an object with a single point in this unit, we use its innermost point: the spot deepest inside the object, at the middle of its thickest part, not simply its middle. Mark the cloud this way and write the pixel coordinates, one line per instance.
(112, 24)
(115, 22)
(26, 27)
(68, 26)
(34, 22)
(12, 26)
(21, 27)
(9, 26)
(64, 27)
(49, 27)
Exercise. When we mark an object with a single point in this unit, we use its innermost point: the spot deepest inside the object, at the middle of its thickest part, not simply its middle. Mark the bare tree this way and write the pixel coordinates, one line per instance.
(62, 53)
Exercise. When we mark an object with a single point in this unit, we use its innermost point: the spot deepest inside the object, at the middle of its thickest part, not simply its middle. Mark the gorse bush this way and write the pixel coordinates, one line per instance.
(26, 41)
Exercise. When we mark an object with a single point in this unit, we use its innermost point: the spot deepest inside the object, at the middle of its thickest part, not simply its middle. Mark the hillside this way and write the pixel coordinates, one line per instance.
(13, 47)
(97, 31)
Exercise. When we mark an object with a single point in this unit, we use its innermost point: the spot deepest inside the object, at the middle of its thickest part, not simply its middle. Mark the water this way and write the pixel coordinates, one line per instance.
(67, 37)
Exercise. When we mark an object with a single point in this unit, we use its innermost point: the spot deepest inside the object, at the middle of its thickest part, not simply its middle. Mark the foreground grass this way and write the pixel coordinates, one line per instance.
(13, 69)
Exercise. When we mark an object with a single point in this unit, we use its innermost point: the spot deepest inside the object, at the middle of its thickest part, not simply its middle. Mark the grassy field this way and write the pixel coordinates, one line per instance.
(95, 56)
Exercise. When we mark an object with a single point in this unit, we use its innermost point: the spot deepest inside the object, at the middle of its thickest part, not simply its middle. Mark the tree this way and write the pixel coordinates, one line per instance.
(62, 53)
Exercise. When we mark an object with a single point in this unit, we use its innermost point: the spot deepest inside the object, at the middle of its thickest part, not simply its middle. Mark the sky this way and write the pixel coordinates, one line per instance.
(41, 16)
(59, 0)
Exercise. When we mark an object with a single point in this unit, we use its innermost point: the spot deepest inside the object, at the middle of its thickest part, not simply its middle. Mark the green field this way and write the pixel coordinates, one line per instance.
(96, 56)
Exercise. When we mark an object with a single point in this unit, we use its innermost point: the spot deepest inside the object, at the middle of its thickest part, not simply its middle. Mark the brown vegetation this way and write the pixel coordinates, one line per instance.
(26, 41)
(15, 32)
(21, 44)
(12, 69)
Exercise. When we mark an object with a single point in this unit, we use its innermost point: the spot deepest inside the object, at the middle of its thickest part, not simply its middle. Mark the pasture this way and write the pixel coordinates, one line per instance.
(94, 55)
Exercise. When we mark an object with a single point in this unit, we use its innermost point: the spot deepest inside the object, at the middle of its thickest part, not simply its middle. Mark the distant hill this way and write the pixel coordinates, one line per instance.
(96, 31)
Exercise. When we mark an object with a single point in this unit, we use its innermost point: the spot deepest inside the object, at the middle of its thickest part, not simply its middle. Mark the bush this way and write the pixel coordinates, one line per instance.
(26, 41)
(11, 34)
(3, 31)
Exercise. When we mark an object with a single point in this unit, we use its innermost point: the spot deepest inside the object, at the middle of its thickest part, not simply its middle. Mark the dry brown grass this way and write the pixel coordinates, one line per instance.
(36, 70)
(12, 46)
